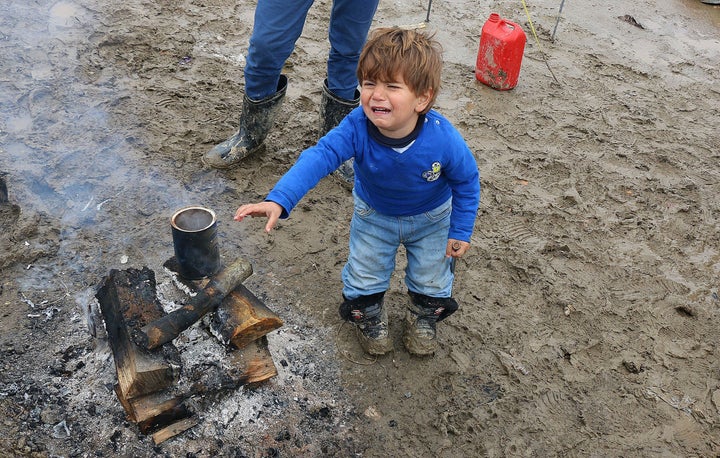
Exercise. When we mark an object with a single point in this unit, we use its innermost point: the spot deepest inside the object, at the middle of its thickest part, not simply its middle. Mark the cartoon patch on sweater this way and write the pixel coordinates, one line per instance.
(434, 174)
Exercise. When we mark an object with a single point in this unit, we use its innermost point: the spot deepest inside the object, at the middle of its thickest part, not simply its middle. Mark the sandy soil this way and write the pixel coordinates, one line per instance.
(589, 301)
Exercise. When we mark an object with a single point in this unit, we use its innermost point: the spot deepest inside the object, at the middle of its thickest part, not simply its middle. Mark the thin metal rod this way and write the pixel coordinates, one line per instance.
(556, 22)
(427, 19)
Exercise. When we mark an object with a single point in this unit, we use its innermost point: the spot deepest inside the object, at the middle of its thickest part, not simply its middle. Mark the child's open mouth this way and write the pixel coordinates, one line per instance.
(380, 110)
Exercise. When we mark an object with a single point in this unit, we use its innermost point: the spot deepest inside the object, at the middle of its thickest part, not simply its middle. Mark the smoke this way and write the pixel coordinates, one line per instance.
(87, 184)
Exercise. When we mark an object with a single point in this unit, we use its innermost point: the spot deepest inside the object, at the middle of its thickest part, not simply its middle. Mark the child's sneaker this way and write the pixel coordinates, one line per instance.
(370, 317)
(420, 337)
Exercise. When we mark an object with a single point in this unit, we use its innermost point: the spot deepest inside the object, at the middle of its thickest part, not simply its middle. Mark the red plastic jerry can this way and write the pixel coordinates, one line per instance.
(502, 44)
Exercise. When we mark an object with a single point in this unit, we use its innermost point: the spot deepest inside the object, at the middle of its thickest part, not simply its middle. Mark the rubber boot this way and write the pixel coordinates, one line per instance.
(256, 119)
(368, 314)
(333, 109)
(423, 314)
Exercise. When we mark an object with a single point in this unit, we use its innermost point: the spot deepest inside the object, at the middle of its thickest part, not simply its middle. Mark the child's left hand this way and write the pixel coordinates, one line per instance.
(456, 248)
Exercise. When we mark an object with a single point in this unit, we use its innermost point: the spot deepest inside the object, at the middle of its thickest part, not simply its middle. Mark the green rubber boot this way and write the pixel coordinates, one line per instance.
(333, 109)
(256, 119)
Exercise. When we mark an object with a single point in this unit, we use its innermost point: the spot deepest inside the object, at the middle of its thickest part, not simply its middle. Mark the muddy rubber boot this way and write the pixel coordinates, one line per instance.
(332, 110)
(423, 314)
(256, 119)
(370, 318)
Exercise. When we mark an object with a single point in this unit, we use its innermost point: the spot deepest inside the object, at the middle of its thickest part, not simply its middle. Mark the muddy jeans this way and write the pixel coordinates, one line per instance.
(278, 25)
(375, 239)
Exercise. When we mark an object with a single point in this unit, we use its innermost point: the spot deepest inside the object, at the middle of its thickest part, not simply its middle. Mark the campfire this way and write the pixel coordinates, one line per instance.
(153, 387)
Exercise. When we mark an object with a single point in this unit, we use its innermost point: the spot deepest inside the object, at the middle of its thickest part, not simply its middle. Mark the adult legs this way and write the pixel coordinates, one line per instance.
(350, 22)
(278, 24)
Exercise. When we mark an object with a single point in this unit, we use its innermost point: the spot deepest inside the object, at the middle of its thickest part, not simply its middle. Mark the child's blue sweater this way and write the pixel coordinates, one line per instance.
(435, 167)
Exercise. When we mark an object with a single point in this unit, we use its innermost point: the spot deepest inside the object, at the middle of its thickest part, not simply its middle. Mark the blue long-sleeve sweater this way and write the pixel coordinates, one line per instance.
(437, 165)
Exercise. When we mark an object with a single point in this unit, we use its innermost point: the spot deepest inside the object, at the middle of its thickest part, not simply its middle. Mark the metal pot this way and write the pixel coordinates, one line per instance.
(194, 232)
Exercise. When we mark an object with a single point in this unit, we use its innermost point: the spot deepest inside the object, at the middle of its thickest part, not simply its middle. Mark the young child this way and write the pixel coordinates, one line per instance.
(416, 184)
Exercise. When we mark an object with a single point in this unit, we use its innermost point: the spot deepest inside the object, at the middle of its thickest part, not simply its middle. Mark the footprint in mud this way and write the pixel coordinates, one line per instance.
(473, 390)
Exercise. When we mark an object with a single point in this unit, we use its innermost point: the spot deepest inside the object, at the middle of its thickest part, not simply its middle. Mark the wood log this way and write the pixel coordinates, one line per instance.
(242, 318)
(148, 388)
(166, 328)
(129, 297)
(238, 367)
(174, 429)
(254, 362)
(146, 410)
(177, 412)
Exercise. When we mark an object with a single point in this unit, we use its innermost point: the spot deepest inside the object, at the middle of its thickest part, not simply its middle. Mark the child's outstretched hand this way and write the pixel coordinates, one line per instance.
(269, 209)
(456, 248)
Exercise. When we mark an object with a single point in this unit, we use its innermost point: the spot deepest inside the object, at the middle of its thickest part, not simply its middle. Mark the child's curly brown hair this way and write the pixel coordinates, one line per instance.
(394, 52)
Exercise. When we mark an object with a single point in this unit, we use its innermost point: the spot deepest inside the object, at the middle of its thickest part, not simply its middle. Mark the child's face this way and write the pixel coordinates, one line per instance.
(392, 106)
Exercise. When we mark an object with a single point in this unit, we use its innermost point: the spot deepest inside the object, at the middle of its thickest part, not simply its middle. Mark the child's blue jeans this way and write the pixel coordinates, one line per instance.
(278, 25)
(375, 239)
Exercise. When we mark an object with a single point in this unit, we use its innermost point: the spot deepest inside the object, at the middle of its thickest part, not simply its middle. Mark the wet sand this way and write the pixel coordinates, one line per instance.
(589, 300)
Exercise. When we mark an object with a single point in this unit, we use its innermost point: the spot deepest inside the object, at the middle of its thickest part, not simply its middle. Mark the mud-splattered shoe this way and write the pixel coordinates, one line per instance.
(423, 314)
(370, 318)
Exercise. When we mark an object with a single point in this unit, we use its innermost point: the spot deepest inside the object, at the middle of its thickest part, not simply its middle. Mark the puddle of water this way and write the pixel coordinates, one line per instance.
(18, 124)
(64, 14)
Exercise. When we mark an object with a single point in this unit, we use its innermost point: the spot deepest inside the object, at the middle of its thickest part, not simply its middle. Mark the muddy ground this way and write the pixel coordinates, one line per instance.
(589, 319)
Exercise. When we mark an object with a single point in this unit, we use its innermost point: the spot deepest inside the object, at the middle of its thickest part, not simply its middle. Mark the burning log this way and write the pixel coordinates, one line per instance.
(150, 387)
(168, 327)
(129, 297)
(254, 361)
(154, 408)
(237, 367)
(243, 321)
(242, 318)
(174, 429)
